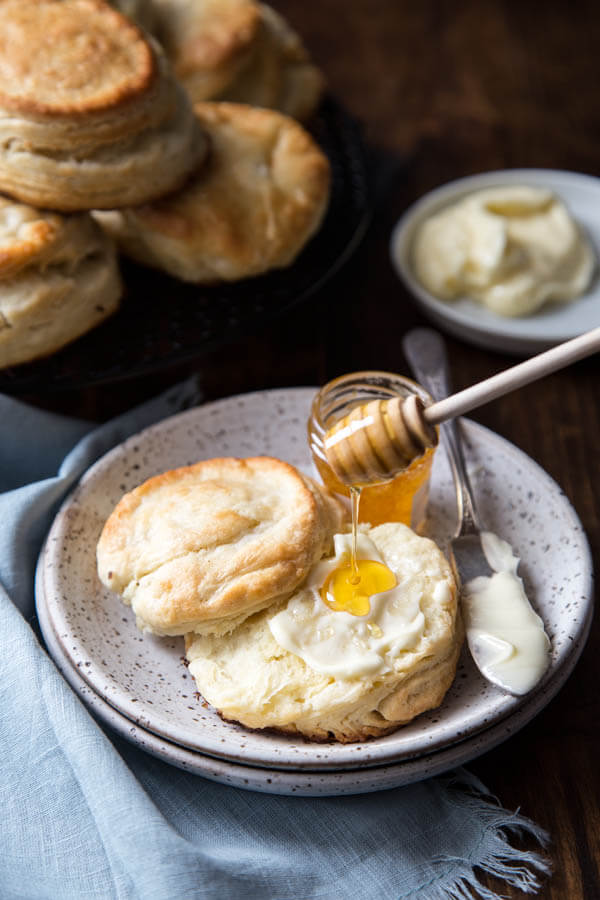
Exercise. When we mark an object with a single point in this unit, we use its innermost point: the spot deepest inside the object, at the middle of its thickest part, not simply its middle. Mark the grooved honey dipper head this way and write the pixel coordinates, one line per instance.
(377, 440)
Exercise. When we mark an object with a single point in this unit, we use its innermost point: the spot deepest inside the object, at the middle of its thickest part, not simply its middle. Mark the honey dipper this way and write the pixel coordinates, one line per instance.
(378, 439)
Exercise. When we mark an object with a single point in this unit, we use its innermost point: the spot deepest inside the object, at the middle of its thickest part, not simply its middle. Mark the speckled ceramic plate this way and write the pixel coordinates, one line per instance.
(144, 677)
(469, 320)
(297, 782)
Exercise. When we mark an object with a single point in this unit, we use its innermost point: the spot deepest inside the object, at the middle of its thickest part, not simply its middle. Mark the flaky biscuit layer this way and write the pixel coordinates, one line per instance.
(254, 205)
(58, 279)
(203, 546)
(126, 138)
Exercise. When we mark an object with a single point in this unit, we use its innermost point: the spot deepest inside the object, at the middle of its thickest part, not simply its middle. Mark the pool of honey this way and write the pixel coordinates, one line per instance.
(348, 593)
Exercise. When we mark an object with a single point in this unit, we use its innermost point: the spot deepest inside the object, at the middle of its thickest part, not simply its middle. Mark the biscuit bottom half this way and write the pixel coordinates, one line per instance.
(250, 678)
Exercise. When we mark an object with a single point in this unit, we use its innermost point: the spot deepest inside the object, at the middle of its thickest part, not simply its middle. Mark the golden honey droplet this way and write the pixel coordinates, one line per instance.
(342, 594)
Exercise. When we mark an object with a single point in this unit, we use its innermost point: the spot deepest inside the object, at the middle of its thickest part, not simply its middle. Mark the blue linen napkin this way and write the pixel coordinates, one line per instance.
(87, 815)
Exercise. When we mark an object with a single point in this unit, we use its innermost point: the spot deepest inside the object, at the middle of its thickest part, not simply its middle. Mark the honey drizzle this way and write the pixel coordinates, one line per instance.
(355, 500)
(376, 576)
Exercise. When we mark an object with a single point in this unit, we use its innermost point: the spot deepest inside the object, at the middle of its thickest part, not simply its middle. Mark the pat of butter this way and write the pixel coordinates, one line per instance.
(343, 645)
(505, 635)
(511, 248)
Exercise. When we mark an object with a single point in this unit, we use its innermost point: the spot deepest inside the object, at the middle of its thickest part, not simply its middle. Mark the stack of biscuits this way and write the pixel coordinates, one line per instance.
(221, 551)
(166, 130)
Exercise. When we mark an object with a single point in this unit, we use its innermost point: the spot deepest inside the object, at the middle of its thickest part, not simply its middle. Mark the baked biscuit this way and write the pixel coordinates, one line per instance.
(58, 279)
(90, 114)
(349, 678)
(207, 41)
(204, 546)
(252, 207)
(279, 73)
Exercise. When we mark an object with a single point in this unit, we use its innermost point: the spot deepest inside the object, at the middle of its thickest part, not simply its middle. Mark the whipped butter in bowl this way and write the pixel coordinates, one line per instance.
(512, 248)
(515, 262)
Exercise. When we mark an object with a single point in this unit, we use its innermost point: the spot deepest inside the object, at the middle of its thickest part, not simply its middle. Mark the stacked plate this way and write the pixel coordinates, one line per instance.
(139, 686)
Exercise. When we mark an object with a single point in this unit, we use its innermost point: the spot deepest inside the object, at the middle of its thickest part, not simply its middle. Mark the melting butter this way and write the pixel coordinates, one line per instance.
(505, 635)
(511, 248)
(338, 643)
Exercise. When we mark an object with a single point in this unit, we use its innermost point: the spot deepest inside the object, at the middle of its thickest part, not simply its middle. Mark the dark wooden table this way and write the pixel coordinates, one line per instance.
(445, 90)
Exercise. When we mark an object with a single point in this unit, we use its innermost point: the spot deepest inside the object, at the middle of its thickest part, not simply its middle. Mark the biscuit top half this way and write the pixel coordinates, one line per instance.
(70, 57)
(204, 546)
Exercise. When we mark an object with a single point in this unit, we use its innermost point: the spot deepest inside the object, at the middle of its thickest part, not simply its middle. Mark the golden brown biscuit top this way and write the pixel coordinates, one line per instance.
(214, 540)
(264, 187)
(66, 57)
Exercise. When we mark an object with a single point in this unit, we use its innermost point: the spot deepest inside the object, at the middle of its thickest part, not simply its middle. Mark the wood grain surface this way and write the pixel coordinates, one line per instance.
(446, 89)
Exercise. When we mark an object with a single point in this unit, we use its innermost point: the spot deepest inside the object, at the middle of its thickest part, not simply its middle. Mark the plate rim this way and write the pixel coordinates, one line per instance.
(325, 783)
(360, 759)
(477, 325)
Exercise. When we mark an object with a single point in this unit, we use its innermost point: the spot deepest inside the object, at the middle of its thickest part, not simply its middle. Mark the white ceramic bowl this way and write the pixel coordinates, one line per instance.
(472, 322)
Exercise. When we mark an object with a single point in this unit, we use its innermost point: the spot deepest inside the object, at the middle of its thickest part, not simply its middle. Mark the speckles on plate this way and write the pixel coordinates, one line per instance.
(140, 676)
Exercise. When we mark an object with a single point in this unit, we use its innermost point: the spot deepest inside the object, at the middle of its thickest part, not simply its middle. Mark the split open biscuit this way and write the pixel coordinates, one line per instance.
(251, 207)
(90, 113)
(200, 548)
(59, 278)
(303, 668)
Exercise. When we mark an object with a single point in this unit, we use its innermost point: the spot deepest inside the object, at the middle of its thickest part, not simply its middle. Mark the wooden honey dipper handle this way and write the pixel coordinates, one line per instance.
(377, 440)
(511, 379)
